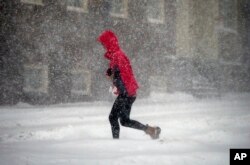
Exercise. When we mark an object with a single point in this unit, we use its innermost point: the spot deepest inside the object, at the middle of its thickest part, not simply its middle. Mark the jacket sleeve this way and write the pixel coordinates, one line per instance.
(117, 81)
(109, 72)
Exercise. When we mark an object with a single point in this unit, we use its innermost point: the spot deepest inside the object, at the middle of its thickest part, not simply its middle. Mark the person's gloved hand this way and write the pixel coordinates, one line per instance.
(114, 91)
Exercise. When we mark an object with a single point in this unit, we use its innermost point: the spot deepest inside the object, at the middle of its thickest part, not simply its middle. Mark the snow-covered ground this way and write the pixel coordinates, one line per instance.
(194, 131)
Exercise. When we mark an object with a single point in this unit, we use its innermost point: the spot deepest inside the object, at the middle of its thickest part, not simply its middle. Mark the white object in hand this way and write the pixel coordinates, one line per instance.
(113, 90)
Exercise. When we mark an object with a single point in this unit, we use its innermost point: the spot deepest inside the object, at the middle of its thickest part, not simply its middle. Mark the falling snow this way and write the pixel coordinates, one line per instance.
(190, 58)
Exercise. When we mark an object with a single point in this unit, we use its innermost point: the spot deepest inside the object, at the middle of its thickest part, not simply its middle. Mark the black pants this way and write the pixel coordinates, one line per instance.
(121, 110)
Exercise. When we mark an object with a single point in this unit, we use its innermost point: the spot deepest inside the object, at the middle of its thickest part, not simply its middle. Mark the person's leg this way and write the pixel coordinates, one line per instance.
(125, 115)
(113, 118)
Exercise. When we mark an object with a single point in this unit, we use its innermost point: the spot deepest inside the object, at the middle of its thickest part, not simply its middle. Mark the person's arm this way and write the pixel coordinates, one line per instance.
(117, 81)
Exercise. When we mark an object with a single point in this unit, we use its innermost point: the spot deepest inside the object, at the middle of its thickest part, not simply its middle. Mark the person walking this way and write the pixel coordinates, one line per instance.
(121, 74)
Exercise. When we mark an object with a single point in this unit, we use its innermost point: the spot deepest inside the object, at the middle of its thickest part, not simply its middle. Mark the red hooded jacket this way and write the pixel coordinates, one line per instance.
(118, 59)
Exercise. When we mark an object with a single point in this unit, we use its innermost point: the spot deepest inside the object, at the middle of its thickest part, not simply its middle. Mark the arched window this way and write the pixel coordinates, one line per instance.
(35, 78)
(155, 11)
(119, 8)
(81, 82)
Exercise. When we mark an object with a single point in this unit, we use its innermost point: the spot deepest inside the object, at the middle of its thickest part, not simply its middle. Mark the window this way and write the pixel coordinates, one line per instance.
(36, 78)
(78, 5)
(119, 8)
(36, 2)
(229, 13)
(81, 82)
(155, 11)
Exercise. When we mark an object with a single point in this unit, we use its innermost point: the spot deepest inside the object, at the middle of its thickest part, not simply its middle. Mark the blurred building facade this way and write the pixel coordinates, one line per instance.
(49, 52)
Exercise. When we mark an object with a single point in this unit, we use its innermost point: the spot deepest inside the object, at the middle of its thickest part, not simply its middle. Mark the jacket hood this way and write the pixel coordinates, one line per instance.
(110, 42)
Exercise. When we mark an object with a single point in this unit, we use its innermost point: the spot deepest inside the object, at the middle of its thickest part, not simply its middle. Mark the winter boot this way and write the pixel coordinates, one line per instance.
(153, 132)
